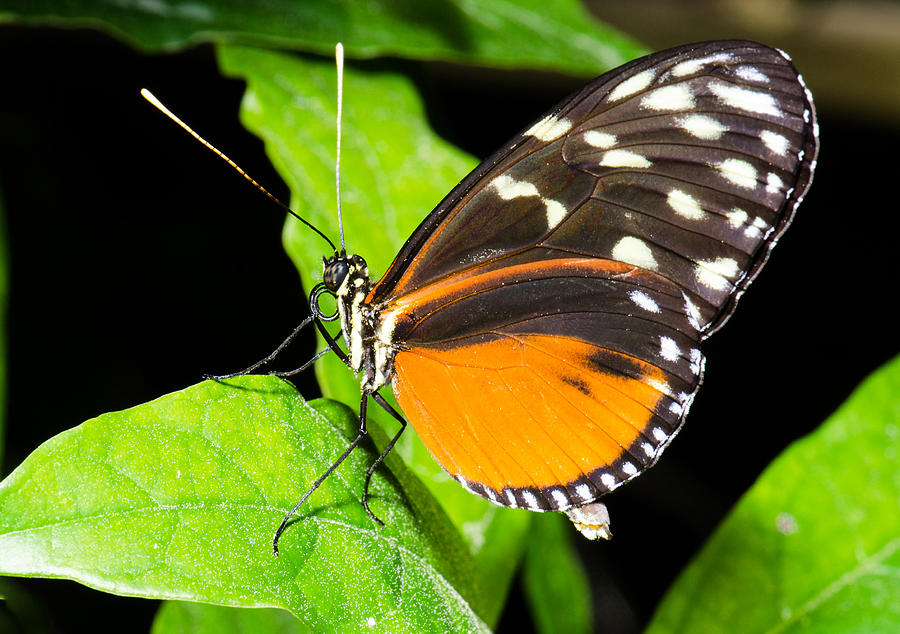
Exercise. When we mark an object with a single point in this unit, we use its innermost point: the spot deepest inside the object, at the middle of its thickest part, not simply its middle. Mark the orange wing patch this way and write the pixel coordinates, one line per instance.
(533, 420)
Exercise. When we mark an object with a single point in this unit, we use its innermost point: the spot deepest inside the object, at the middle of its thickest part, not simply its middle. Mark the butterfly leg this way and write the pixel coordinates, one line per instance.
(390, 410)
(363, 432)
(332, 343)
(316, 357)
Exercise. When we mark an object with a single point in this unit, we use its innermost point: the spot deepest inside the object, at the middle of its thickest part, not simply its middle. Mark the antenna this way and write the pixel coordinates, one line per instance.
(339, 62)
(149, 96)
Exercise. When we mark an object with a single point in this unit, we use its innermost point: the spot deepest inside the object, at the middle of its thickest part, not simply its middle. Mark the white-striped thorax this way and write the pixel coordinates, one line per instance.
(348, 278)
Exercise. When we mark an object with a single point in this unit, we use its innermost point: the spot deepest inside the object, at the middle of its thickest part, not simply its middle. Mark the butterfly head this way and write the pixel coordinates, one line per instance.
(340, 266)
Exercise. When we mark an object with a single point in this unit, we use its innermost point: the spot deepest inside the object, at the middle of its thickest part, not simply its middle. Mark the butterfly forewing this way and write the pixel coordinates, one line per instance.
(547, 315)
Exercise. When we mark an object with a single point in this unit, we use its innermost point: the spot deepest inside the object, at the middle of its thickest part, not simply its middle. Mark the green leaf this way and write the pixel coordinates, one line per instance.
(814, 546)
(178, 617)
(510, 33)
(178, 498)
(553, 576)
(394, 170)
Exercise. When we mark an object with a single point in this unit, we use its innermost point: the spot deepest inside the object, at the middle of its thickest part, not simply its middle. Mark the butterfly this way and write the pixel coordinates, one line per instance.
(541, 328)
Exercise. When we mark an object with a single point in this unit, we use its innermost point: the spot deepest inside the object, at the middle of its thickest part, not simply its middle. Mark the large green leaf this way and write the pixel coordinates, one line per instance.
(814, 546)
(178, 498)
(512, 33)
(394, 170)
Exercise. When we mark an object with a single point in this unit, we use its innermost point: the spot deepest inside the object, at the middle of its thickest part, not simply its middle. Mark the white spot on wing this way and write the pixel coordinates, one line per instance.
(714, 274)
(773, 183)
(624, 158)
(560, 498)
(744, 99)
(684, 204)
(750, 73)
(599, 139)
(691, 312)
(659, 434)
(739, 172)
(644, 301)
(629, 469)
(659, 385)
(549, 128)
(556, 213)
(634, 251)
(692, 66)
(583, 491)
(508, 187)
(530, 500)
(755, 230)
(702, 126)
(608, 480)
(774, 141)
(736, 217)
(696, 361)
(632, 85)
(649, 449)
(668, 349)
(675, 97)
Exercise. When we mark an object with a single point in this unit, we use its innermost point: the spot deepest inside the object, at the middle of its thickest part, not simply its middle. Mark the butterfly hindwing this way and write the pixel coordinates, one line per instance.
(546, 384)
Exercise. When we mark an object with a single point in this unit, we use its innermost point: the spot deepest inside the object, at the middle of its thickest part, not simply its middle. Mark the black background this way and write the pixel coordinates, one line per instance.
(139, 262)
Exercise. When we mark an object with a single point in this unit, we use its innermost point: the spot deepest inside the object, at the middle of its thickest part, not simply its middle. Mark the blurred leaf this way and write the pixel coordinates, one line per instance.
(553, 577)
(178, 498)
(814, 546)
(513, 33)
(4, 297)
(21, 612)
(180, 617)
(394, 169)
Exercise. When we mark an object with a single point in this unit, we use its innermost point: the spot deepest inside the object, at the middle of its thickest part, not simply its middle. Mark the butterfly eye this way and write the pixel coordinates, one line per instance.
(335, 272)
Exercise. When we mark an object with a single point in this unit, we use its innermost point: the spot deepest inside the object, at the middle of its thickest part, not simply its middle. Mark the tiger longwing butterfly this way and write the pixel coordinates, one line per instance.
(541, 327)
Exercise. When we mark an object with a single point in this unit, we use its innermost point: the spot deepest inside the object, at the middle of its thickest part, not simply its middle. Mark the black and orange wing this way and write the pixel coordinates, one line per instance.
(548, 313)
(545, 385)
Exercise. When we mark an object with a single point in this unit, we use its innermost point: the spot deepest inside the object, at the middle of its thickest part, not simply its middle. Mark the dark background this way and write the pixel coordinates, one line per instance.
(139, 262)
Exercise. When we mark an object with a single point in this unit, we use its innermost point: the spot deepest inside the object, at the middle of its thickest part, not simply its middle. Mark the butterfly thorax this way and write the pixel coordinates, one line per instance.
(348, 278)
